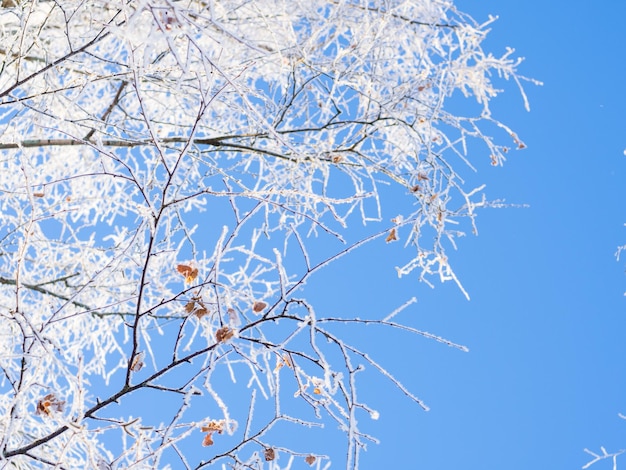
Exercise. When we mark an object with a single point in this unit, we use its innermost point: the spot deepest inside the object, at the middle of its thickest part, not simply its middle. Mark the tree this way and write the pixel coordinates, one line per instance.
(174, 172)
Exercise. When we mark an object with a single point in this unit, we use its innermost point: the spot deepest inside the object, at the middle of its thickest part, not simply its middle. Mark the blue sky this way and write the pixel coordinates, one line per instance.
(545, 326)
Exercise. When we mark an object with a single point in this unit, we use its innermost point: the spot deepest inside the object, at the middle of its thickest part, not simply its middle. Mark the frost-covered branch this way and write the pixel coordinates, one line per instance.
(173, 174)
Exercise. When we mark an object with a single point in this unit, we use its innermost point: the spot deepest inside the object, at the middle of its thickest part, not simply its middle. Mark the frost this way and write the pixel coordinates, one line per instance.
(172, 174)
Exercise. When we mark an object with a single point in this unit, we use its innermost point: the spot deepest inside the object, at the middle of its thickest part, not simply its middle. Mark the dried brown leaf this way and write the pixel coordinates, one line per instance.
(232, 315)
(223, 334)
(214, 425)
(258, 306)
(188, 272)
(310, 459)
(49, 403)
(269, 454)
(393, 235)
(208, 440)
(283, 361)
(137, 363)
(200, 312)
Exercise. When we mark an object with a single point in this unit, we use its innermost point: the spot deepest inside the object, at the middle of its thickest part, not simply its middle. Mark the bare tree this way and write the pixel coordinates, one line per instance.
(172, 174)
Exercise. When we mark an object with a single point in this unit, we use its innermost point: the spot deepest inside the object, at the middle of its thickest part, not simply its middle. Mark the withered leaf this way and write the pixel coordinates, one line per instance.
(188, 272)
(283, 361)
(287, 360)
(200, 312)
(269, 454)
(196, 307)
(258, 306)
(232, 315)
(214, 425)
(310, 459)
(223, 334)
(137, 363)
(393, 236)
(49, 403)
(208, 440)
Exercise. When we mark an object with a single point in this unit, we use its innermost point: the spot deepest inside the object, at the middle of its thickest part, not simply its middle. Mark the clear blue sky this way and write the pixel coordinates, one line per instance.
(546, 373)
